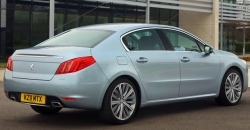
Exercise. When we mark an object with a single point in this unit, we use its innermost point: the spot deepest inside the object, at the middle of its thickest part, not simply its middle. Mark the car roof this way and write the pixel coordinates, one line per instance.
(125, 27)
(122, 26)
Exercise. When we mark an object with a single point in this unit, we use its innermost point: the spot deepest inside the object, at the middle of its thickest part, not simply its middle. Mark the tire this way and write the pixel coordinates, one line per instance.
(124, 107)
(231, 89)
(45, 110)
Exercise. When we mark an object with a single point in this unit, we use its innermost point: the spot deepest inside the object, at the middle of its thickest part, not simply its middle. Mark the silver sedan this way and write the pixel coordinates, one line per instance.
(119, 68)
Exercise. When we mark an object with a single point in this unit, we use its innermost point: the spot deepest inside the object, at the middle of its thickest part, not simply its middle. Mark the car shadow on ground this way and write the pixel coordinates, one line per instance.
(79, 118)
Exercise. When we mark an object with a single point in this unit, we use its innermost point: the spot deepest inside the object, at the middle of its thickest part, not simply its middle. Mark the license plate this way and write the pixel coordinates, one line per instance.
(33, 98)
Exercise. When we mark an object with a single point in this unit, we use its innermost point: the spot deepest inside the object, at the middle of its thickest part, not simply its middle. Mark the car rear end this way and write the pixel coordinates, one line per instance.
(58, 74)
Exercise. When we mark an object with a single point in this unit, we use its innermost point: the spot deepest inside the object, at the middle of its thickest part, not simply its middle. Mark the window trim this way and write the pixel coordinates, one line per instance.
(161, 30)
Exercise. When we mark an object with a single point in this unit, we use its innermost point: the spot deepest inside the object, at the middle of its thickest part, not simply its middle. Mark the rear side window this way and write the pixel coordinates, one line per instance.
(78, 37)
(143, 40)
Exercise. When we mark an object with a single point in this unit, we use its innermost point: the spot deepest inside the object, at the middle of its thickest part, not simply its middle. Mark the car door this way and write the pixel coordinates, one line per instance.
(199, 71)
(157, 68)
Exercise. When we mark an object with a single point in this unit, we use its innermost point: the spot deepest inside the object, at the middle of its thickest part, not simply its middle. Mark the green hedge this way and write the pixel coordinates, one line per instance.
(2, 64)
(239, 47)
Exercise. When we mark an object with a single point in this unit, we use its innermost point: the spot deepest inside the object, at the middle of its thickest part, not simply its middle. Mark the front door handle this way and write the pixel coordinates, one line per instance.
(142, 60)
(185, 59)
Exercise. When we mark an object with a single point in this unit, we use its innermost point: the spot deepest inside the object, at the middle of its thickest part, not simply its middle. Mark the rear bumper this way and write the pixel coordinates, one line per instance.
(87, 87)
(51, 101)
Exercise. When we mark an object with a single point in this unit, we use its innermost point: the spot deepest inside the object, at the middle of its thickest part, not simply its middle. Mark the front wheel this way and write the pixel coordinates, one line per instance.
(120, 102)
(231, 88)
(45, 110)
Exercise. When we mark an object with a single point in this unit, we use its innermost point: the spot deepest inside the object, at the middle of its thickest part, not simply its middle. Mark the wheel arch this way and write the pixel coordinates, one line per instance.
(229, 68)
(134, 81)
(237, 69)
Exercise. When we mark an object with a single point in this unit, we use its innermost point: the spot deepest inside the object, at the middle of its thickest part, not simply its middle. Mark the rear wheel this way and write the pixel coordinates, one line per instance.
(231, 88)
(45, 110)
(120, 102)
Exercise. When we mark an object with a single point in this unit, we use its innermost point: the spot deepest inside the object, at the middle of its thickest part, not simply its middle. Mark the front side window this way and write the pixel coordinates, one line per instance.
(78, 37)
(181, 41)
(143, 40)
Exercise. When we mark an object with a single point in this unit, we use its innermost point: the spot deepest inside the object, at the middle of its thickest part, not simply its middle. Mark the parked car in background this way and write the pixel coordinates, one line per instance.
(118, 68)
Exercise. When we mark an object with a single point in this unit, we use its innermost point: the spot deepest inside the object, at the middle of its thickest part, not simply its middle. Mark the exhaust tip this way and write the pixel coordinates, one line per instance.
(13, 98)
(56, 104)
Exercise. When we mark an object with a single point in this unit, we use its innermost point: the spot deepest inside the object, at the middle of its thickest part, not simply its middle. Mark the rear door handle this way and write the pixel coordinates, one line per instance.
(185, 59)
(142, 60)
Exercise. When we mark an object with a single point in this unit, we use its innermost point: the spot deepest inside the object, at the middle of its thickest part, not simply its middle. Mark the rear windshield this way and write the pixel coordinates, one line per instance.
(78, 37)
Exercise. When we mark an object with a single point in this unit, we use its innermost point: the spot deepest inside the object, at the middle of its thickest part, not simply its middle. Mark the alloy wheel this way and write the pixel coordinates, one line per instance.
(233, 87)
(123, 101)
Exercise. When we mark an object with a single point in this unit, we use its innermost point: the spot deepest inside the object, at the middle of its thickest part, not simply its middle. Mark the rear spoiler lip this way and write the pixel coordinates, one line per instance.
(39, 56)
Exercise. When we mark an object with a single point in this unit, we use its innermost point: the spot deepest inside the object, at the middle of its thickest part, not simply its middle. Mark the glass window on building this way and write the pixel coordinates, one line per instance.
(40, 23)
(140, 15)
(154, 15)
(164, 16)
(30, 23)
(118, 13)
(66, 15)
(103, 16)
(21, 26)
(130, 14)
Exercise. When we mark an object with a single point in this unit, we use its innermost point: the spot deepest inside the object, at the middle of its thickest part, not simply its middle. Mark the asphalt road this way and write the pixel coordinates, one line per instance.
(200, 115)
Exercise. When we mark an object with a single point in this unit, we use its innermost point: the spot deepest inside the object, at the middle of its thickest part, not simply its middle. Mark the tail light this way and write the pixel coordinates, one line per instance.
(10, 64)
(68, 99)
(75, 65)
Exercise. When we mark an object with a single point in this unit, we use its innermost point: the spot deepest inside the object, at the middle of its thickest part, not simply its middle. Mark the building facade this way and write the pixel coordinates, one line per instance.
(234, 25)
(25, 23)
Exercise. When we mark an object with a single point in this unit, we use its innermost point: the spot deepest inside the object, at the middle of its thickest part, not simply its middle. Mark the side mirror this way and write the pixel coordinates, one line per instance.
(208, 49)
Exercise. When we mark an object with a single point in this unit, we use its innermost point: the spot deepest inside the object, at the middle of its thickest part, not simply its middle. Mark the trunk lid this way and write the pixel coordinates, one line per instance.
(41, 63)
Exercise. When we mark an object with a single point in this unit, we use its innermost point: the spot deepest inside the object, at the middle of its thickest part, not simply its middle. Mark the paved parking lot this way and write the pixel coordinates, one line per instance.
(189, 115)
(196, 115)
